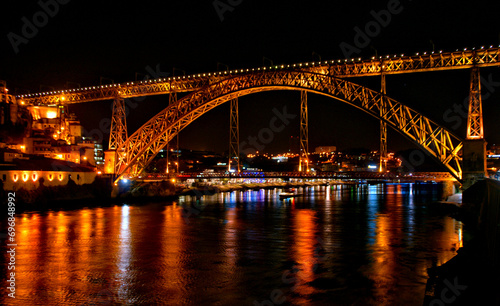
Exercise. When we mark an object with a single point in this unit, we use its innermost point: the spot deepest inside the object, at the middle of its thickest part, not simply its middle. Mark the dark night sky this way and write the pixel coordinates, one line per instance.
(86, 40)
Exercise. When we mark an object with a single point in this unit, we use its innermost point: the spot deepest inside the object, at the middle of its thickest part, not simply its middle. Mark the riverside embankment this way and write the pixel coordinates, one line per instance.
(473, 275)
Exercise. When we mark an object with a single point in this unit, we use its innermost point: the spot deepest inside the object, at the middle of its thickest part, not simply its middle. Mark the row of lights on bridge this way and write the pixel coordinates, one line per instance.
(225, 73)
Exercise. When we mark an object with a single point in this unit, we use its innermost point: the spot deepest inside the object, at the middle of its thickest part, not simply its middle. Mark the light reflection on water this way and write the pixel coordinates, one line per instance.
(368, 244)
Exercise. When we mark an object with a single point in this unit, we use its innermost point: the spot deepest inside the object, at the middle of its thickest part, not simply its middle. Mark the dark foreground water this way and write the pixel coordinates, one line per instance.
(350, 245)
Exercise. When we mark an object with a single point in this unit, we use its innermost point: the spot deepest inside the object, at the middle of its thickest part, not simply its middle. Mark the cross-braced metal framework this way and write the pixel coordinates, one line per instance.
(394, 64)
(145, 143)
(304, 134)
(234, 137)
(475, 118)
(383, 132)
(118, 132)
(172, 99)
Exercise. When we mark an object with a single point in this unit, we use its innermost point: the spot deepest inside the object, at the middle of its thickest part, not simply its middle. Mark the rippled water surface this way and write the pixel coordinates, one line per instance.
(333, 245)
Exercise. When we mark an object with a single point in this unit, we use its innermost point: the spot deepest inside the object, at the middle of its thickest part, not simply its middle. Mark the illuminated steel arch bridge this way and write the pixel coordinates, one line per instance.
(209, 90)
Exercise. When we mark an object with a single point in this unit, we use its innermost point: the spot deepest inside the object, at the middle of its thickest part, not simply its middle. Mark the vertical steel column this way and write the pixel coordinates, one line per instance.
(172, 98)
(168, 169)
(234, 136)
(383, 130)
(475, 117)
(178, 153)
(304, 134)
(118, 134)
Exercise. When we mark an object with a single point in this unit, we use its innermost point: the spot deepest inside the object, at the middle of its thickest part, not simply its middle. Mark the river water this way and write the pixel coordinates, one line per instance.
(340, 245)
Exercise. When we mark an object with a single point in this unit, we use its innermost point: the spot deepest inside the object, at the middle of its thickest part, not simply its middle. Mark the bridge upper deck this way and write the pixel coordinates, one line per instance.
(356, 67)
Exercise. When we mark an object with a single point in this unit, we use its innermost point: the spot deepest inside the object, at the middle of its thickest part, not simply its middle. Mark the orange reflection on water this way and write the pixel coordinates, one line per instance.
(70, 257)
(387, 234)
(49, 251)
(83, 233)
(304, 249)
(60, 249)
(124, 257)
(449, 238)
(27, 230)
(173, 250)
(384, 259)
(230, 239)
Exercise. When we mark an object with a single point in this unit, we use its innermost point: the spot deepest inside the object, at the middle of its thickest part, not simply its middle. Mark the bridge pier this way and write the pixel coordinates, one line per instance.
(474, 162)
(115, 191)
(109, 161)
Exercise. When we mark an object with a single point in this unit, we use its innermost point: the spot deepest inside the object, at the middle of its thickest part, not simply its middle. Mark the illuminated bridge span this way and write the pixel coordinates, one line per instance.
(209, 90)
(142, 146)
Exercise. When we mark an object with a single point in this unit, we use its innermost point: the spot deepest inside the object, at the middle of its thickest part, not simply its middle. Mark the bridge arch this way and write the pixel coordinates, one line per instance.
(143, 145)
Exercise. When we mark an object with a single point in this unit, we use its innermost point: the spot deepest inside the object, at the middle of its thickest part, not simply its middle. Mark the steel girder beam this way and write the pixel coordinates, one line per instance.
(339, 68)
(126, 90)
(421, 62)
(172, 98)
(146, 142)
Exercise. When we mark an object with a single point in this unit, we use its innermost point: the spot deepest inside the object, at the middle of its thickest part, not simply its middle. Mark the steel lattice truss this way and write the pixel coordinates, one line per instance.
(118, 134)
(234, 136)
(304, 133)
(141, 147)
(383, 131)
(475, 117)
(338, 68)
